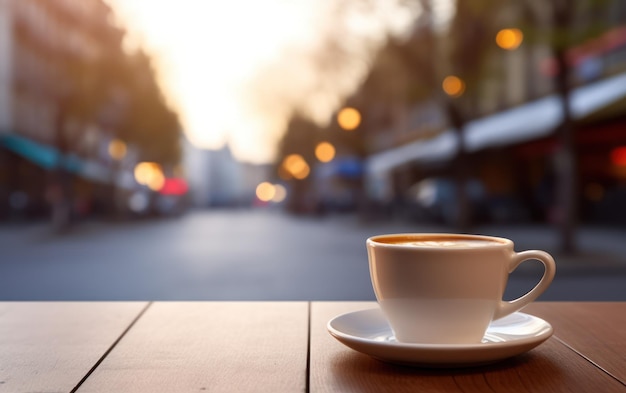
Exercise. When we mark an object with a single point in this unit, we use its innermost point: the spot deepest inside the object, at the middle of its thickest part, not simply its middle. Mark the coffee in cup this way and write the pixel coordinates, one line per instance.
(447, 288)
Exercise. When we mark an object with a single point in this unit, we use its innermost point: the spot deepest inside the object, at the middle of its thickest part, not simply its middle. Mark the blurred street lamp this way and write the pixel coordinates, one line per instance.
(142, 172)
(157, 180)
(149, 174)
(453, 86)
(117, 149)
(509, 39)
(265, 191)
(349, 119)
(296, 166)
(325, 151)
(280, 193)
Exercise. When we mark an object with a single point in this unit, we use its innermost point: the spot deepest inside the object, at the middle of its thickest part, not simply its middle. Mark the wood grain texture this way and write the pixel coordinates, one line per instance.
(597, 330)
(51, 346)
(551, 367)
(209, 346)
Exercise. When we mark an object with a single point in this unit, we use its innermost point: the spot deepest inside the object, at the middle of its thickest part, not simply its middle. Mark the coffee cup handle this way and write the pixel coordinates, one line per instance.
(508, 307)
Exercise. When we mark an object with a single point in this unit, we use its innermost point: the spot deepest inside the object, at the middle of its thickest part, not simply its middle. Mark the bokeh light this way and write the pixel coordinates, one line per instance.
(618, 156)
(453, 86)
(280, 193)
(304, 173)
(149, 174)
(296, 166)
(325, 151)
(349, 118)
(254, 66)
(265, 191)
(142, 172)
(157, 180)
(509, 39)
(117, 149)
(283, 173)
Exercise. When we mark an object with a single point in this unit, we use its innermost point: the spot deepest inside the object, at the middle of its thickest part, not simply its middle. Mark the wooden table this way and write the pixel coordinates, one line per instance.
(277, 347)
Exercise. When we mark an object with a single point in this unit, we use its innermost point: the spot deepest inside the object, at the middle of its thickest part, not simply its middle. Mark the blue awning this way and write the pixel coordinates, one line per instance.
(346, 167)
(49, 158)
(43, 155)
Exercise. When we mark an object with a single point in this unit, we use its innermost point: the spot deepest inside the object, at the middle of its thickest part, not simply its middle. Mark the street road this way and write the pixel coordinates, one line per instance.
(258, 255)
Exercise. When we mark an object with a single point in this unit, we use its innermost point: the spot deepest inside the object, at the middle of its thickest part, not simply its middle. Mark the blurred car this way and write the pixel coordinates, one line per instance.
(436, 199)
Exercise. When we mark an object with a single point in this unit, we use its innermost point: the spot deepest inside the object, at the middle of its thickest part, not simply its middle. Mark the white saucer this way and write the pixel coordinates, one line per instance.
(368, 332)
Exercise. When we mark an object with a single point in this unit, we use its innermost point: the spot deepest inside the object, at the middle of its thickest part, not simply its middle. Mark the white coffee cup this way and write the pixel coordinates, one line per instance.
(447, 288)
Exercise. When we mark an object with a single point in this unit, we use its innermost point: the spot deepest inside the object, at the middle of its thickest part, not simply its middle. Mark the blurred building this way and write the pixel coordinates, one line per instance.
(217, 179)
(43, 44)
(67, 92)
(511, 122)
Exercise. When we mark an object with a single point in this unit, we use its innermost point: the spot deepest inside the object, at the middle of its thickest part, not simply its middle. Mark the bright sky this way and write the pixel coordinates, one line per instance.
(237, 70)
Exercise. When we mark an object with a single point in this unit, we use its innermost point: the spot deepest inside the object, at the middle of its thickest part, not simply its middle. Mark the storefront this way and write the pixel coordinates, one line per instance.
(513, 154)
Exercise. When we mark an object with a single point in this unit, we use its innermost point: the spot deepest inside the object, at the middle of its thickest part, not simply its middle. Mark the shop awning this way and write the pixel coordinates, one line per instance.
(49, 157)
(43, 155)
(523, 123)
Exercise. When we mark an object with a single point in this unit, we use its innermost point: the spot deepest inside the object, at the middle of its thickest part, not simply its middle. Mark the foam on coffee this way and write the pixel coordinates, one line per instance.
(461, 243)
(438, 242)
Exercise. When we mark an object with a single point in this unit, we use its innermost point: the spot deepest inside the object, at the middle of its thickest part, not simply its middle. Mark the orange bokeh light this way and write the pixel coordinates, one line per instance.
(265, 191)
(349, 119)
(296, 166)
(509, 39)
(149, 174)
(325, 151)
(453, 86)
(117, 149)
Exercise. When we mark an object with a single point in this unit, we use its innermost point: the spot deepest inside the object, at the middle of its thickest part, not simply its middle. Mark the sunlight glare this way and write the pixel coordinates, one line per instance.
(238, 70)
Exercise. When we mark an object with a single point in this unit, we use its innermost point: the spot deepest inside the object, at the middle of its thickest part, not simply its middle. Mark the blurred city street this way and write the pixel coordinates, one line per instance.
(260, 255)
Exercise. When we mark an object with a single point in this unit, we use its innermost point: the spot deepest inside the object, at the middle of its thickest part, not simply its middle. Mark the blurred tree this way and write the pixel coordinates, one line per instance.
(150, 123)
(118, 91)
(569, 24)
(88, 79)
(412, 71)
(81, 88)
(466, 48)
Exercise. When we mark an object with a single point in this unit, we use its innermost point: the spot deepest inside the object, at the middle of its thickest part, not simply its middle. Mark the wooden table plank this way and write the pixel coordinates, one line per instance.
(51, 346)
(597, 330)
(209, 346)
(551, 367)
